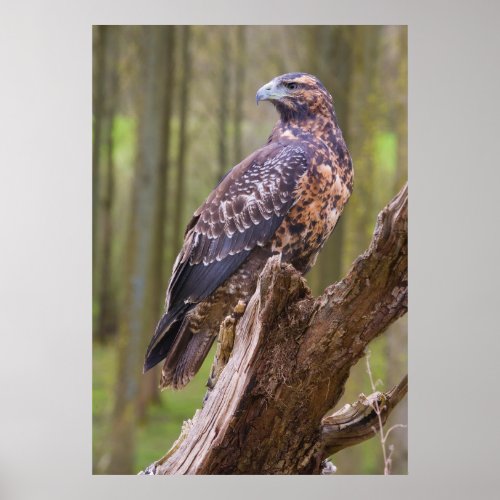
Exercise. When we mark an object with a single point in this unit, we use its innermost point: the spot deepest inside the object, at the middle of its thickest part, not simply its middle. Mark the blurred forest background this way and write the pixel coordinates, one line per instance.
(173, 110)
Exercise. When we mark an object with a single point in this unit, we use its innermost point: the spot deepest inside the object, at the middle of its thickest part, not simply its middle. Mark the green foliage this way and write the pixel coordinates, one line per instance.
(386, 153)
(124, 139)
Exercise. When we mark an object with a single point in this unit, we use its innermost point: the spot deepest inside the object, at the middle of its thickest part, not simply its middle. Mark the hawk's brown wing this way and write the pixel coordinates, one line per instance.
(242, 212)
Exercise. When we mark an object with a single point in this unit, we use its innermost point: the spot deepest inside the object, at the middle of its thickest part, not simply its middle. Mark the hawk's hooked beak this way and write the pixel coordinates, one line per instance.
(269, 92)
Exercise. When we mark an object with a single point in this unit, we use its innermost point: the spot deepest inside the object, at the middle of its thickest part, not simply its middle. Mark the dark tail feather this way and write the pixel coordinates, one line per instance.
(185, 358)
(164, 337)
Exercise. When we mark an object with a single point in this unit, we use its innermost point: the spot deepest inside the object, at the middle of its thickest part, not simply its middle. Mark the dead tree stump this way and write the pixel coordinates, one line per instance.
(291, 358)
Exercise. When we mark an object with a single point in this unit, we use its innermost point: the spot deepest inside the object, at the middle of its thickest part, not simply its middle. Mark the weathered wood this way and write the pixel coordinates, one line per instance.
(357, 422)
(225, 343)
(291, 358)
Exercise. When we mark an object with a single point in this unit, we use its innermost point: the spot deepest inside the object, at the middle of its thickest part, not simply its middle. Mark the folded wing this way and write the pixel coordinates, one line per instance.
(242, 212)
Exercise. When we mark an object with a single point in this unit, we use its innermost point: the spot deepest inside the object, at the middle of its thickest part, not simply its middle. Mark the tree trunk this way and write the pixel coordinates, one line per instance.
(156, 284)
(402, 109)
(239, 87)
(181, 158)
(98, 79)
(224, 92)
(137, 259)
(364, 103)
(291, 358)
(106, 323)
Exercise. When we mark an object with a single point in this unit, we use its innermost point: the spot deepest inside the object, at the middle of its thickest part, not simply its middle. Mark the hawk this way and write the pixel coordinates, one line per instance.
(284, 198)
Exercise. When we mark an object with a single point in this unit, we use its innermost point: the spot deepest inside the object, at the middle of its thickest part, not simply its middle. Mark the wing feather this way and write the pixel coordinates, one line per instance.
(242, 212)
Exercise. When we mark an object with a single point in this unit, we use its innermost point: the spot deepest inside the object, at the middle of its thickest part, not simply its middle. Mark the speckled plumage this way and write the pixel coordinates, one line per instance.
(284, 198)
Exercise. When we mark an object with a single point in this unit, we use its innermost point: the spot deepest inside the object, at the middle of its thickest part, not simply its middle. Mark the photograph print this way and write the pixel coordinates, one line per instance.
(249, 246)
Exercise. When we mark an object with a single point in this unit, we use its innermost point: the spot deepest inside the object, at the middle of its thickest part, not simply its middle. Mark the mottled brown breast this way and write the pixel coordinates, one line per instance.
(321, 194)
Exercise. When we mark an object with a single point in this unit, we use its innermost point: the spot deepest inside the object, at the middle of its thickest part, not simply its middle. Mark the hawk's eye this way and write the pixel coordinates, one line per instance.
(291, 85)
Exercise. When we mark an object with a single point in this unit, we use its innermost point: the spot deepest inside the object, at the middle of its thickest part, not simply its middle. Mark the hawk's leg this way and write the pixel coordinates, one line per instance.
(225, 342)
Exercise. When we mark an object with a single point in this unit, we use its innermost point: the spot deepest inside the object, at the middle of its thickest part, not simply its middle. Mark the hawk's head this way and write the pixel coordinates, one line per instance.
(296, 95)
